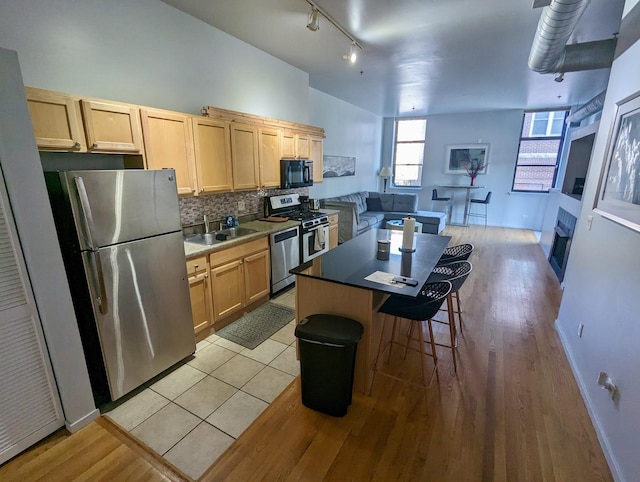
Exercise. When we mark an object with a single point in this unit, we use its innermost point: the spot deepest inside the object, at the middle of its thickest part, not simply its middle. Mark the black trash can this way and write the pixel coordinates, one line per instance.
(328, 346)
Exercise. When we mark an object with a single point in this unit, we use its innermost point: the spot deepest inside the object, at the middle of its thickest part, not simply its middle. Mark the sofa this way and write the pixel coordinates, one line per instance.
(366, 210)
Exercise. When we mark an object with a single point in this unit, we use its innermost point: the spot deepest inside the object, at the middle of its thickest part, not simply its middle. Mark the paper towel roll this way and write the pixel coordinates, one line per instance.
(408, 229)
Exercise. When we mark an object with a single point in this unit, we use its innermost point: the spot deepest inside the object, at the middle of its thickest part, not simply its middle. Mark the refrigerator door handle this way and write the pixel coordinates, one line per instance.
(98, 279)
(86, 209)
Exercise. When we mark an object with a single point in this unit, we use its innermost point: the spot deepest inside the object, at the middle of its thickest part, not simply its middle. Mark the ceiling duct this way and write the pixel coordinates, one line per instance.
(594, 106)
(550, 52)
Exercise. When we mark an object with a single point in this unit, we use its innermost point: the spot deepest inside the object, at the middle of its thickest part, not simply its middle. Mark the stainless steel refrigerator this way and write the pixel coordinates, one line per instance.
(121, 241)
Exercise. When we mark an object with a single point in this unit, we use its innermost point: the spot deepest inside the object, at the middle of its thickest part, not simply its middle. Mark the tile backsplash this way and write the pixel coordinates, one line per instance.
(217, 206)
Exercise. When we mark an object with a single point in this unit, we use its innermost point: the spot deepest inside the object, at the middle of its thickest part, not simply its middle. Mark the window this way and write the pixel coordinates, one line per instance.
(540, 146)
(409, 152)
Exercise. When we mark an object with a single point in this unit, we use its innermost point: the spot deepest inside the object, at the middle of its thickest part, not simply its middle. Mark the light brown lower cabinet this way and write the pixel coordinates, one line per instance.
(239, 276)
(257, 271)
(228, 288)
(333, 230)
(200, 291)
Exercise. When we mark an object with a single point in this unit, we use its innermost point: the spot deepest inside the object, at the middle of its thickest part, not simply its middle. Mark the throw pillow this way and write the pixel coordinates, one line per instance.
(374, 204)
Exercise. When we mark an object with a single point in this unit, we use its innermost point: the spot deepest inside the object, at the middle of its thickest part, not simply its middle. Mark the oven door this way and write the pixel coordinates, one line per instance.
(315, 242)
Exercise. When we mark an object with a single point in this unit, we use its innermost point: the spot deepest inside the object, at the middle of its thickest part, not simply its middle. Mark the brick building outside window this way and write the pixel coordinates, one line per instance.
(540, 146)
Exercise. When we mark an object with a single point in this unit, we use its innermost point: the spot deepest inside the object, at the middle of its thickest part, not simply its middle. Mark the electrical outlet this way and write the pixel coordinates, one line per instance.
(240, 205)
(580, 328)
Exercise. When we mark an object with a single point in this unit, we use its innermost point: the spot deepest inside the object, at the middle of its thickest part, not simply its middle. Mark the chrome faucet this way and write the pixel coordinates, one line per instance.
(206, 223)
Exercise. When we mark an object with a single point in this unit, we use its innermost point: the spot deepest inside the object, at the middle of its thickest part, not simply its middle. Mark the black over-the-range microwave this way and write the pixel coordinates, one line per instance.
(295, 173)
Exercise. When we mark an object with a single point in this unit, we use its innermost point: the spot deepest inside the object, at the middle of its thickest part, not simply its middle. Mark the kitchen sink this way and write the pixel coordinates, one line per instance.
(236, 232)
(219, 236)
(208, 238)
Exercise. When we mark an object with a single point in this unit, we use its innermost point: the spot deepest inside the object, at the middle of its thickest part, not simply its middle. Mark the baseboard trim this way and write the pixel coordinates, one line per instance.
(602, 438)
(83, 422)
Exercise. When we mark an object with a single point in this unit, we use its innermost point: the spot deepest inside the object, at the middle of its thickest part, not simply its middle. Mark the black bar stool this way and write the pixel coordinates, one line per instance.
(456, 273)
(459, 252)
(482, 202)
(417, 311)
(435, 197)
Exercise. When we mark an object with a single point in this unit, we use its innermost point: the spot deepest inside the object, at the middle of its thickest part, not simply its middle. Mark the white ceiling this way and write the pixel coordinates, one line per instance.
(419, 56)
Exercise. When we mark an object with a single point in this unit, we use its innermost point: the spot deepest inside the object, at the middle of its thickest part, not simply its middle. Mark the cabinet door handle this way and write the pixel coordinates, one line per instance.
(76, 144)
(94, 145)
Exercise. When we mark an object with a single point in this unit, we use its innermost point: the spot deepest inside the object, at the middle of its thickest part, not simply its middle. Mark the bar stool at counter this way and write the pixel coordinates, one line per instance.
(416, 311)
(459, 252)
(455, 273)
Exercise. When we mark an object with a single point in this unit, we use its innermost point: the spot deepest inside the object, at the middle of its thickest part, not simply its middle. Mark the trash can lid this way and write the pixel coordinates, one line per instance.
(329, 329)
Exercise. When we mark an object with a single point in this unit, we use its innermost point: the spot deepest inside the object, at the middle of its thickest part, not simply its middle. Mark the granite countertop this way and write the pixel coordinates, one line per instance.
(263, 228)
(351, 262)
(329, 212)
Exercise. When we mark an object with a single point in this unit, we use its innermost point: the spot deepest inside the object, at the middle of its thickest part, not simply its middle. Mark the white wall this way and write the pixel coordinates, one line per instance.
(352, 132)
(147, 52)
(602, 283)
(499, 129)
(30, 204)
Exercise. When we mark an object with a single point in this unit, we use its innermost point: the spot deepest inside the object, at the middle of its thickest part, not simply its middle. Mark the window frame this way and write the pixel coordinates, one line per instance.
(549, 121)
(560, 138)
(395, 150)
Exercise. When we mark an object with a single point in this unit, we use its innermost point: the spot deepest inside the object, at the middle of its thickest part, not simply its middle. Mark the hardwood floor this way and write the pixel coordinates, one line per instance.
(513, 413)
(99, 451)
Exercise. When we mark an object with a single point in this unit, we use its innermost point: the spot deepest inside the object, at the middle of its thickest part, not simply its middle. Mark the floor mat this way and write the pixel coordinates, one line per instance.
(255, 327)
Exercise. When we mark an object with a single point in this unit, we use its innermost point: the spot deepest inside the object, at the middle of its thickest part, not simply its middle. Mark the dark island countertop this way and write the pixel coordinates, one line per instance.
(351, 262)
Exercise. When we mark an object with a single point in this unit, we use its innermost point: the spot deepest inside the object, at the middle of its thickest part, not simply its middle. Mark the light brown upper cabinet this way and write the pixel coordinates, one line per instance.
(269, 152)
(295, 145)
(316, 157)
(244, 156)
(288, 144)
(63, 122)
(169, 144)
(57, 121)
(212, 143)
(112, 127)
(303, 145)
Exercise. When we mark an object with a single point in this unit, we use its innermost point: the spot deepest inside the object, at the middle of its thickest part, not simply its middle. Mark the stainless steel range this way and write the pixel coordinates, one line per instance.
(314, 237)
(314, 225)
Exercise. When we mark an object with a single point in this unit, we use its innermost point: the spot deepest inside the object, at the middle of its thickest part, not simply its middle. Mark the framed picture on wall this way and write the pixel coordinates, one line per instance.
(458, 157)
(619, 191)
(338, 166)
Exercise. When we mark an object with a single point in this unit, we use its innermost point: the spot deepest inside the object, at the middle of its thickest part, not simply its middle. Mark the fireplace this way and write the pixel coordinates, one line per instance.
(565, 227)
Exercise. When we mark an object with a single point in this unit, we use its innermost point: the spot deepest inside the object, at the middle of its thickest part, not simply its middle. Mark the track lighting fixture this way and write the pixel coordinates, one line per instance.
(313, 24)
(314, 19)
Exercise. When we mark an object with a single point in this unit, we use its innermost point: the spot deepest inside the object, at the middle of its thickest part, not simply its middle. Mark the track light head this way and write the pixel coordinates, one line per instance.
(352, 56)
(314, 20)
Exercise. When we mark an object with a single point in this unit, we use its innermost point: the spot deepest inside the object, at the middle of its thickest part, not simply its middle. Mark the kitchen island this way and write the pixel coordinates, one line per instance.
(339, 283)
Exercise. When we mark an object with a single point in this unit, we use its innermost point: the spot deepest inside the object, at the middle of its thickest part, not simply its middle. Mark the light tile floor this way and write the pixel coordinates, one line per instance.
(194, 413)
